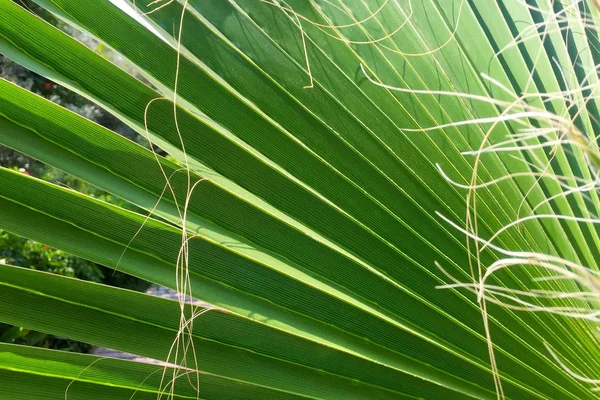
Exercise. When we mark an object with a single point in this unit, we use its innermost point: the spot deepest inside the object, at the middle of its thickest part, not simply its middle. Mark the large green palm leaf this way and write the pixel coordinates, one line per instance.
(312, 222)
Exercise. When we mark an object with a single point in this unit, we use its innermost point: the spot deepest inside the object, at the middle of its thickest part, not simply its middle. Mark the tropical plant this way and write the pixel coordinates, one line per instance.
(386, 199)
(19, 251)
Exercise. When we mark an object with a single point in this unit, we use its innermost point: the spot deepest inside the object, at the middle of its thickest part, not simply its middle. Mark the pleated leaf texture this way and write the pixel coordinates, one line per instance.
(378, 199)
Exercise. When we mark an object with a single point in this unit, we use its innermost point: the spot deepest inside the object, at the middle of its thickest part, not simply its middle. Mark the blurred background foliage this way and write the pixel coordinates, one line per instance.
(26, 253)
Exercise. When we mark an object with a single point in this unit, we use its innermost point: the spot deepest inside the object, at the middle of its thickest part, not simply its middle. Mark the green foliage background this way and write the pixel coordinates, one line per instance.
(315, 198)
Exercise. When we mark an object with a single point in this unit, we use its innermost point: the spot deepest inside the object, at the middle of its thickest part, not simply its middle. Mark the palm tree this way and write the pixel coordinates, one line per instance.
(387, 199)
